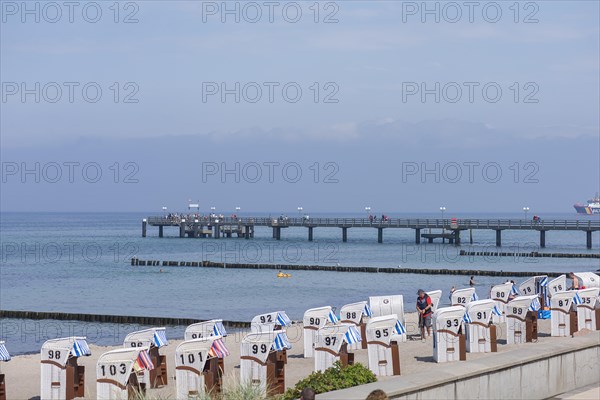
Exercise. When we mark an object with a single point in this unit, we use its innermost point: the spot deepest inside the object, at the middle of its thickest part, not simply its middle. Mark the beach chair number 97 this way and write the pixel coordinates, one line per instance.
(451, 322)
(314, 321)
(330, 341)
(266, 318)
(112, 369)
(255, 348)
(54, 355)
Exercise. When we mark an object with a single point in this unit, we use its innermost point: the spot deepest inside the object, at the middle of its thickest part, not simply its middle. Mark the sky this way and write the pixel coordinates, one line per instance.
(332, 105)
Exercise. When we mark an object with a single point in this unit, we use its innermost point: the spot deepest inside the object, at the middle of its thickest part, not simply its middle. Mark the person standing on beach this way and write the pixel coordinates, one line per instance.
(424, 307)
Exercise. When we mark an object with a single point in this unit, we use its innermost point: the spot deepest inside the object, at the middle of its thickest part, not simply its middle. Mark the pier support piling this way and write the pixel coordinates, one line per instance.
(542, 239)
(144, 224)
(310, 233)
(278, 233)
(379, 235)
(182, 229)
(471, 236)
(247, 232)
(588, 235)
(418, 236)
(457, 237)
(498, 237)
(274, 232)
(344, 235)
(216, 231)
(160, 231)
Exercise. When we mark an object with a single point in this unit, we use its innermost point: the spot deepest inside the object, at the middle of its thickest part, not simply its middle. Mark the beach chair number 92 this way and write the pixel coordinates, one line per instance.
(314, 321)
(266, 318)
(382, 332)
(112, 369)
(451, 322)
(263, 348)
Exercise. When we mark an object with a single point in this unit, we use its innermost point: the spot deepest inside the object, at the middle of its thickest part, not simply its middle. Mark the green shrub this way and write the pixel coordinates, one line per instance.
(333, 378)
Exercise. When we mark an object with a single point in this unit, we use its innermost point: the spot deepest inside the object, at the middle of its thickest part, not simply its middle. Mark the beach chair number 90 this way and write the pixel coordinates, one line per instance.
(451, 322)
(138, 344)
(351, 315)
(314, 321)
(461, 300)
(330, 341)
(564, 303)
(191, 358)
(255, 348)
(383, 332)
(54, 355)
(267, 318)
(112, 369)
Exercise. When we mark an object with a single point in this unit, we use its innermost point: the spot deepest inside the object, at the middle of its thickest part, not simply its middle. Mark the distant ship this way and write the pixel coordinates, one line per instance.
(593, 206)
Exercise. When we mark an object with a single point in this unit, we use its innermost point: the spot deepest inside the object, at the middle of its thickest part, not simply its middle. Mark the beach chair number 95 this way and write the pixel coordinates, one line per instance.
(54, 355)
(112, 369)
(263, 348)
(330, 340)
(314, 321)
(383, 332)
(452, 322)
(136, 344)
(266, 318)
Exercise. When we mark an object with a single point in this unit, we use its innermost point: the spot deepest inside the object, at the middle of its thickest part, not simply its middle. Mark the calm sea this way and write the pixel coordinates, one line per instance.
(80, 262)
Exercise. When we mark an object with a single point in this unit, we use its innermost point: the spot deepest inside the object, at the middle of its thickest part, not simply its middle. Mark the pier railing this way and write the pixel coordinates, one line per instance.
(414, 223)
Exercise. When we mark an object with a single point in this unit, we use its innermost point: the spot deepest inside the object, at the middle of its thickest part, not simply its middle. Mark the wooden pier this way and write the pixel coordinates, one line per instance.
(450, 228)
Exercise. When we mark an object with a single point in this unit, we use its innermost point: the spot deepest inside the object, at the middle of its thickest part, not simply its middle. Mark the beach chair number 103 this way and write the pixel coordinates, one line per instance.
(112, 369)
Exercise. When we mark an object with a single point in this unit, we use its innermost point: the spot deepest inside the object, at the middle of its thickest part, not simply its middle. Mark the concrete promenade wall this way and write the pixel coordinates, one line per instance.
(534, 371)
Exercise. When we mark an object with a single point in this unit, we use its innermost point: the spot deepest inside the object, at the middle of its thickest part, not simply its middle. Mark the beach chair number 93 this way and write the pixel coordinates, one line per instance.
(112, 369)
(255, 348)
(452, 322)
(267, 318)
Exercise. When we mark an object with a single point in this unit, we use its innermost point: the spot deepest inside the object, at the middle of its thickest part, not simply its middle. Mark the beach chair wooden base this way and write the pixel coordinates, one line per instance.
(75, 378)
(493, 339)
(395, 357)
(2, 387)
(135, 388)
(531, 327)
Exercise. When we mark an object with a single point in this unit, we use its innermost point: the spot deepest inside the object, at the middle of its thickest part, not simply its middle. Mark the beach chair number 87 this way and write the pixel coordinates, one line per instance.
(263, 348)
(563, 303)
(264, 319)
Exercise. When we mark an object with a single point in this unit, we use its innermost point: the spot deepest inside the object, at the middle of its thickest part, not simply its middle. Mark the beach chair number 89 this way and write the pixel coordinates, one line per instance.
(264, 319)
(263, 348)
(517, 310)
(330, 341)
(54, 355)
(314, 321)
(451, 322)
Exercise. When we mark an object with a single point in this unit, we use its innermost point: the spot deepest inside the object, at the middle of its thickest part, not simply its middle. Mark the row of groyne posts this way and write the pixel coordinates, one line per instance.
(450, 229)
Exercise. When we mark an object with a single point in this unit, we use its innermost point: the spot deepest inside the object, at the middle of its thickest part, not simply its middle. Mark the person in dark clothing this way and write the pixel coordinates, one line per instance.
(424, 307)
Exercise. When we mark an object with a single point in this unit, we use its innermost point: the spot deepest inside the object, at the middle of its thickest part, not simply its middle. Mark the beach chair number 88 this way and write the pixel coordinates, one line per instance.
(351, 315)
(264, 319)
(451, 322)
(54, 355)
(314, 321)
(263, 348)
(330, 341)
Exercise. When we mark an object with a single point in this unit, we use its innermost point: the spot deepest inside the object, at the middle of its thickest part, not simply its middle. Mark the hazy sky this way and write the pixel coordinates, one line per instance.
(361, 91)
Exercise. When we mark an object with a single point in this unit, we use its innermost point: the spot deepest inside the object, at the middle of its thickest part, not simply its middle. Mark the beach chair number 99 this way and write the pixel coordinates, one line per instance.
(314, 321)
(451, 322)
(134, 344)
(255, 348)
(54, 355)
(351, 315)
(112, 369)
(190, 358)
(564, 303)
(266, 318)
(382, 332)
(461, 300)
(330, 341)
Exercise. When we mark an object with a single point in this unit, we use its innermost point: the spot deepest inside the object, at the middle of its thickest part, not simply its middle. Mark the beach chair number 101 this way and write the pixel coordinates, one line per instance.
(191, 358)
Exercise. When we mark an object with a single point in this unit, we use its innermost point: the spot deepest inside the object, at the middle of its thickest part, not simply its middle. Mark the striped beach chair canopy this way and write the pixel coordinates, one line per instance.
(259, 345)
(332, 337)
(534, 285)
(60, 350)
(148, 337)
(203, 329)
(588, 279)
(117, 365)
(270, 321)
(4, 355)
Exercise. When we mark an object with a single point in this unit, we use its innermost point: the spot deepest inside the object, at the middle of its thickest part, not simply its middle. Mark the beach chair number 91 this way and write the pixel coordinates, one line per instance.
(54, 355)
(382, 332)
(314, 321)
(451, 322)
(330, 340)
(263, 348)
(112, 369)
(191, 358)
(481, 315)
(266, 318)
(196, 336)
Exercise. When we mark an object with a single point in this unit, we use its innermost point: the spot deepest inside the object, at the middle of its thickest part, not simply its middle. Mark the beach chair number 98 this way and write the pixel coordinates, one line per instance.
(266, 318)
(255, 348)
(330, 341)
(314, 321)
(54, 355)
(383, 332)
(451, 322)
(112, 369)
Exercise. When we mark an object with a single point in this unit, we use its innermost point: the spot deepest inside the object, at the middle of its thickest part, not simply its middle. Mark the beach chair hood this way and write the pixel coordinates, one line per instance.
(59, 350)
(148, 337)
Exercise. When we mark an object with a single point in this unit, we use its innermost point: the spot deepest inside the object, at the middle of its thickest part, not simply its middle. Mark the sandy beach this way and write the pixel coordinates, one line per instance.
(23, 372)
